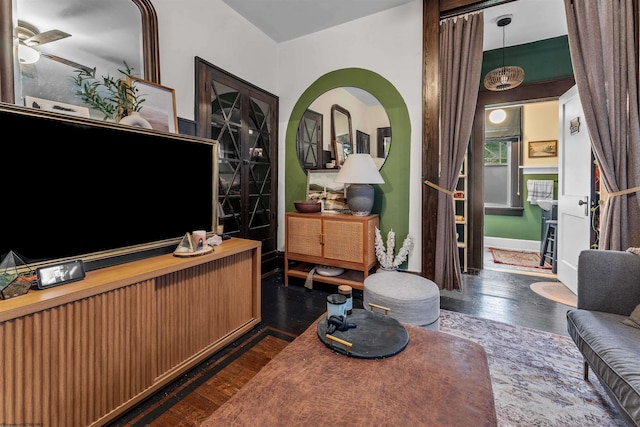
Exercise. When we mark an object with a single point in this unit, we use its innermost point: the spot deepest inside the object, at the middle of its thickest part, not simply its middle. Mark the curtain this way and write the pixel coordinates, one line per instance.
(601, 42)
(461, 40)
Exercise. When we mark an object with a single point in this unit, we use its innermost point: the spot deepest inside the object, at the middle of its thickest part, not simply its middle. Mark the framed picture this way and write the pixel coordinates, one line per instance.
(321, 185)
(338, 148)
(362, 142)
(543, 148)
(58, 107)
(159, 107)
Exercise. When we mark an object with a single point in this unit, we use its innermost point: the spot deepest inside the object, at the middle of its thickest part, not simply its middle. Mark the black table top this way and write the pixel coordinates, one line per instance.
(375, 335)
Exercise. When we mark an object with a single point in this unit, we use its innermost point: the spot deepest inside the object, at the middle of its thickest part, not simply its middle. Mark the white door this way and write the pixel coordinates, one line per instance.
(574, 188)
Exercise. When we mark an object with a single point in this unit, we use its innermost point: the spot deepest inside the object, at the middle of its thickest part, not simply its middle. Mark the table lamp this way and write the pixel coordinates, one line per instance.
(359, 171)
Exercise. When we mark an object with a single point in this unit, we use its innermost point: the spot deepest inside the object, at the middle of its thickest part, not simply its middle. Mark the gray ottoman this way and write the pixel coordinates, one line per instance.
(409, 297)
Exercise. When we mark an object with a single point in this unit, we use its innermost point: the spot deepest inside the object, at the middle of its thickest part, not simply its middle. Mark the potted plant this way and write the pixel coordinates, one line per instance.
(114, 98)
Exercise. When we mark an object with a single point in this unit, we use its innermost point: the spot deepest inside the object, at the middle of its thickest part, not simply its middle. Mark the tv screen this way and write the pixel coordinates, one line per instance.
(72, 188)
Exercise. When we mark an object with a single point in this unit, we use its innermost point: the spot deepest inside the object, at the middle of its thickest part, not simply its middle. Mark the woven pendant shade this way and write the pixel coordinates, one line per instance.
(504, 78)
(507, 76)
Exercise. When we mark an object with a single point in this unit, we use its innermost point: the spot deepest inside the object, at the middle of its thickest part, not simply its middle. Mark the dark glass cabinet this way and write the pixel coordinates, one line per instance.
(243, 119)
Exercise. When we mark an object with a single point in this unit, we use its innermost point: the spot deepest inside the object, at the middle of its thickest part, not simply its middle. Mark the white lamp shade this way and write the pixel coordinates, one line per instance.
(359, 168)
(27, 55)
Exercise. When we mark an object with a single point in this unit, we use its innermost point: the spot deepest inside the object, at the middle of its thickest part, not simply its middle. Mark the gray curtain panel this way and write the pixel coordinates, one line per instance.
(601, 42)
(461, 40)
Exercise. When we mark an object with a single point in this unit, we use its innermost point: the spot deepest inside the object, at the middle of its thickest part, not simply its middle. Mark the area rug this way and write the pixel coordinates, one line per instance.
(536, 376)
(518, 258)
(555, 291)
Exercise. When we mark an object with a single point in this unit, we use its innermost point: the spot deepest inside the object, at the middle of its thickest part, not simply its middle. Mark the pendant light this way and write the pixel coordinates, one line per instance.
(505, 77)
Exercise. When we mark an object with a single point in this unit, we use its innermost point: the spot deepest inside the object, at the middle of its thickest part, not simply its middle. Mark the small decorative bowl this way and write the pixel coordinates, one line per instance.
(308, 206)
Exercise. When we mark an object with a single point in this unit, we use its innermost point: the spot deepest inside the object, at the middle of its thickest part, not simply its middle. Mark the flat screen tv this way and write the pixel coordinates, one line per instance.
(101, 192)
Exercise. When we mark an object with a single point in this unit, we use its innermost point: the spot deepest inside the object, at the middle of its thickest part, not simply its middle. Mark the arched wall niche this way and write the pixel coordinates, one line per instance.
(392, 197)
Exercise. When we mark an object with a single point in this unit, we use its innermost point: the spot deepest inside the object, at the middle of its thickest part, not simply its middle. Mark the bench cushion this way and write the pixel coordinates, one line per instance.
(612, 350)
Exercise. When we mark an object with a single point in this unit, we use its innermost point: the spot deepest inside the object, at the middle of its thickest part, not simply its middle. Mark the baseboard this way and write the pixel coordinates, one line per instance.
(514, 244)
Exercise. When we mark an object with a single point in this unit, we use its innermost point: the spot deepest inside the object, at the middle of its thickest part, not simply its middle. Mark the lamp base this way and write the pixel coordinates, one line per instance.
(360, 199)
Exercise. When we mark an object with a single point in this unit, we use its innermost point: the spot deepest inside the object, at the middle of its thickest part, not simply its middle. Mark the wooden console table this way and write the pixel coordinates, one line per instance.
(85, 352)
(344, 241)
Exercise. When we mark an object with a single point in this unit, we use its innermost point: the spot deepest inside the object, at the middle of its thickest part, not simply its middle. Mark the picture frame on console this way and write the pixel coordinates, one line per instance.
(58, 107)
(159, 107)
(322, 185)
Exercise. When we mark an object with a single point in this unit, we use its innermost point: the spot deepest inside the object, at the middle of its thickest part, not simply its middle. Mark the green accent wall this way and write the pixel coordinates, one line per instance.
(392, 197)
(542, 60)
(526, 227)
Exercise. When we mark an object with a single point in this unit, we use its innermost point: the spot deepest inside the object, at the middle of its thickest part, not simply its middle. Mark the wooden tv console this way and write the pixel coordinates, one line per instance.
(85, 352)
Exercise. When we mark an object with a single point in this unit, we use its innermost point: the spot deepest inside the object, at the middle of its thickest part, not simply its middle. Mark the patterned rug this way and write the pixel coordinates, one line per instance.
(536, 376)
(519, 258)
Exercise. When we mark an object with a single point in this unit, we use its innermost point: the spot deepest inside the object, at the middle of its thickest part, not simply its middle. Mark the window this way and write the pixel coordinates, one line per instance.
(502, 161)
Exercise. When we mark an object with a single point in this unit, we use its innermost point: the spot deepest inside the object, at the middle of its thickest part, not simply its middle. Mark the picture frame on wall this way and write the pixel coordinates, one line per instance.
(322, 185)
(338, 149)
(159, 107)
(543, 148)
(363, 144)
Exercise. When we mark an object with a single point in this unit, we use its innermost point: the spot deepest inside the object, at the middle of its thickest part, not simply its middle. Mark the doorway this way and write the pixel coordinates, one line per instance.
(526, 93)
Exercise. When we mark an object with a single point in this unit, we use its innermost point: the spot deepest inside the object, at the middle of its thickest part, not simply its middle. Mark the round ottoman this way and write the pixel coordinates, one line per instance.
(409, 297)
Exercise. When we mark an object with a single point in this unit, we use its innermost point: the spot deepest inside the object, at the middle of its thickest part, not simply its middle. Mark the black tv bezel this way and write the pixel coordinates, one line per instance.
(111, 255)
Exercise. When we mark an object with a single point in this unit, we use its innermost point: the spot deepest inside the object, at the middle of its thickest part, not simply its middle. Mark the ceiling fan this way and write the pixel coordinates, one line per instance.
(30, 37)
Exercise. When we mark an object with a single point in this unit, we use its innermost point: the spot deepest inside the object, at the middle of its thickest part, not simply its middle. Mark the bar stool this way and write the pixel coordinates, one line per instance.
(549, 247)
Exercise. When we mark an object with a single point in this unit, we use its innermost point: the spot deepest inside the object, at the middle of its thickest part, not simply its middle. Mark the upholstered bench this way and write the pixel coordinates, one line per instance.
(409, 297)
(437, 380)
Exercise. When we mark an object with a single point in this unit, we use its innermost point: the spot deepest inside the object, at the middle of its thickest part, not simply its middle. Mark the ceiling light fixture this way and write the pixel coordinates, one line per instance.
(497, 116)
(505, 77)
(27, 54)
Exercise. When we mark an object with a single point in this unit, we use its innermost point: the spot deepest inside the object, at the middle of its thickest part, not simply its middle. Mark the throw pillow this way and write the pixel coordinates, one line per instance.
(634, 318)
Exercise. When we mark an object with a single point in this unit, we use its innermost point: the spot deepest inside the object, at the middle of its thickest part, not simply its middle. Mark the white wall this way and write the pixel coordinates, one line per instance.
(216, 33)
(388, 43)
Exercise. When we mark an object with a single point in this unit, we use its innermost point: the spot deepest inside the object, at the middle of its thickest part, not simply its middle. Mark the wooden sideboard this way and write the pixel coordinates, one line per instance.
(344, 241)
(85, 352)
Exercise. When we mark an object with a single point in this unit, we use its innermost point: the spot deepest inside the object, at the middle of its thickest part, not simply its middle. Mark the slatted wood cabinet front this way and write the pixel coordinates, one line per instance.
(85, 352)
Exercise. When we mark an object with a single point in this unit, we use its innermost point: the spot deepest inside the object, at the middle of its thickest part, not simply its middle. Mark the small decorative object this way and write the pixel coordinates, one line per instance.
(58, 274)
(386, 256)
(188, 248)
(308, 206)
(327, 270)
(15, 276)
(135, 119)
(214, 240)
(114, 98)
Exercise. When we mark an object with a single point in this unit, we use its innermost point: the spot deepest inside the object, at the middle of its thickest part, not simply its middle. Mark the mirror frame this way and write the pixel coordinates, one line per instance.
(150, 47)
(335, 108)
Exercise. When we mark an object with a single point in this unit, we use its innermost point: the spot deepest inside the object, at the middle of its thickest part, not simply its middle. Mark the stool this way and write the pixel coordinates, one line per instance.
(549, 246)
(410, 298)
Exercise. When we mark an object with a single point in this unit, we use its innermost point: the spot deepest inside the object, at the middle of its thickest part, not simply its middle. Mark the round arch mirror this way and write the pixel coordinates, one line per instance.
(364, 128)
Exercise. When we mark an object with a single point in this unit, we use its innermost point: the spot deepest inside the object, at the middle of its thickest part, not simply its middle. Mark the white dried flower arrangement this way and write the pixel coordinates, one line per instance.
(386, 256)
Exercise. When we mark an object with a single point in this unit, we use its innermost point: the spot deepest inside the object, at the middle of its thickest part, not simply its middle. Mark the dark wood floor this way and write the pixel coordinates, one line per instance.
(500, 296)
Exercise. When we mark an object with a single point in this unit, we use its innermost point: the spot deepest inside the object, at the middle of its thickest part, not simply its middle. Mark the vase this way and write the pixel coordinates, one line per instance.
(135, 119)
(382, 269)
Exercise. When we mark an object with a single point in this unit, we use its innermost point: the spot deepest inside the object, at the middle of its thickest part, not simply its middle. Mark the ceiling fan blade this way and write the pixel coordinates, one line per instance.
(67, 62)
(46, 37)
